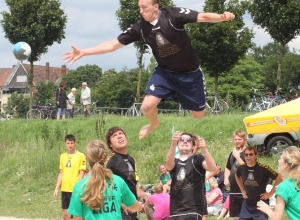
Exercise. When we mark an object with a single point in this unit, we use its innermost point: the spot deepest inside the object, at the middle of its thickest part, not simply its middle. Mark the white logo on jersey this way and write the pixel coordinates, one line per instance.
(153, 29)
(127, 30)
(152, 87)
(185, 11)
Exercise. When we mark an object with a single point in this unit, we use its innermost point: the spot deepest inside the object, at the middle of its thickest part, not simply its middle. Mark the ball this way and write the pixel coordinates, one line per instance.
(21, 51)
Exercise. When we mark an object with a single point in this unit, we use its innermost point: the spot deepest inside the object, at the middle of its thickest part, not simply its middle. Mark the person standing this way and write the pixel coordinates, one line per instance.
(85, 99)
(61, 100)
(100, 194)
(288, 191)
(178, 71)
(123, 165)
(252, 178)
(236, 158)
(72, 167)
(71, 102)
(187, 195)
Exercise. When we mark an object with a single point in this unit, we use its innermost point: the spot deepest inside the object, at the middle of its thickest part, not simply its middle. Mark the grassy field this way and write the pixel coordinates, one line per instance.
(30, 150)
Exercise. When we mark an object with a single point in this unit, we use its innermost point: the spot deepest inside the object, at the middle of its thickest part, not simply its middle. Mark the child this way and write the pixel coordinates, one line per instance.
(72, 168)
(100, 194)
(165, 177)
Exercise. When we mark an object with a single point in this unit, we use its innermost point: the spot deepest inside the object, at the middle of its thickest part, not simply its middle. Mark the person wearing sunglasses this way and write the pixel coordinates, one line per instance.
(253, 178)
(235, 158)
(187, 194)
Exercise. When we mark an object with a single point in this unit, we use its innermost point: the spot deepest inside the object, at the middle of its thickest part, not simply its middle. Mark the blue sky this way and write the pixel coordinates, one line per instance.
(92, 22)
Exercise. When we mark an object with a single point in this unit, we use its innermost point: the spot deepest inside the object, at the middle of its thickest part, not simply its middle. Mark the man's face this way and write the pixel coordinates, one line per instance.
(250, 157)
(83, 86)
(118, 141)
(70, 145)
(185, 144)
(148, 10)
(239, 142)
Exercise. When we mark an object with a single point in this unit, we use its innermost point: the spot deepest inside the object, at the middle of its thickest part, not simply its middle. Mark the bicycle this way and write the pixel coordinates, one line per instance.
(133, 111)
(219, 106)
(254, 105)
(42, 112)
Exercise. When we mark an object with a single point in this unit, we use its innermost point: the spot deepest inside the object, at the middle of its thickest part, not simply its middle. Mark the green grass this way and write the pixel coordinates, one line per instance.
(30, 150)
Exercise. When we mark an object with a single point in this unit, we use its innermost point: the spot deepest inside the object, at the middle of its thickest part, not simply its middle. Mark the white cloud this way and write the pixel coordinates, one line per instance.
(92, 22)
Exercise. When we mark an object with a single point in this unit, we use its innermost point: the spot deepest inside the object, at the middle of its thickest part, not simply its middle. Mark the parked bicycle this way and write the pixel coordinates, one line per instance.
(253, 105)
(42, 112)
(219, 106)
(135, 109)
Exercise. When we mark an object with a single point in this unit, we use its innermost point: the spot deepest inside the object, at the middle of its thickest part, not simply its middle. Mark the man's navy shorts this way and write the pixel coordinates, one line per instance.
(189, 87)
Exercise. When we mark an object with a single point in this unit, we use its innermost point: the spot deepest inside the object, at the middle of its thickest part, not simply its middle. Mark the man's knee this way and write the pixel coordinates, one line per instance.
(198, 114)
(147, 107)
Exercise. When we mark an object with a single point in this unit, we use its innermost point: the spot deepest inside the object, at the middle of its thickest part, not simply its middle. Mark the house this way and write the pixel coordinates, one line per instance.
(15, 79)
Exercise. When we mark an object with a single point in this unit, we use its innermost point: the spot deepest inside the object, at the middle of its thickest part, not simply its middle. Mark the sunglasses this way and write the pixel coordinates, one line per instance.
(188, 139)
(250, 154)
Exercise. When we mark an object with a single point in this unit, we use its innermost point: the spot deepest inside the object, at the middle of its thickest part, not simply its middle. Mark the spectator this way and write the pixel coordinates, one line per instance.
(214, 197)
(225, 209)
(72, 168)
(71, 102)
(85, 99)
(100, 194)
(165, 177)
(159, 207)
(61, 100)
(288, 191)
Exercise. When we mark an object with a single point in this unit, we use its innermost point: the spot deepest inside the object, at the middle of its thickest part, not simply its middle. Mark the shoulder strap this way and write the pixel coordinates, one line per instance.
(195, 167)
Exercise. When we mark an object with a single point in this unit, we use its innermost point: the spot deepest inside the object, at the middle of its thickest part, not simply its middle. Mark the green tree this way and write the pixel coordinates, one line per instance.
(219, 46)
(39, 23)
(127, 15)
(280, 18)
(291, 72)
(17, 105)
(46, 92)
(90, 74)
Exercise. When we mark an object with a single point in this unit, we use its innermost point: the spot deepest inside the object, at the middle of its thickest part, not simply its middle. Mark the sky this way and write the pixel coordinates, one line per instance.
(92, 22)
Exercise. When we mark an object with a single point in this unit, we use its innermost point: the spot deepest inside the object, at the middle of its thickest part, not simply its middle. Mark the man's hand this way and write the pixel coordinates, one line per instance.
(244, 194)
(176, 136)
(227, 16)
(200, 143)
(55, 193)
(236, 153)
(265, 196)
(72, 56)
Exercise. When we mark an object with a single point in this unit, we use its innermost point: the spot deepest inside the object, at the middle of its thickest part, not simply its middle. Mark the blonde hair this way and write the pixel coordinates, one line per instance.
(213, 182)
(291, 156)
(96, 154)
(240, 134)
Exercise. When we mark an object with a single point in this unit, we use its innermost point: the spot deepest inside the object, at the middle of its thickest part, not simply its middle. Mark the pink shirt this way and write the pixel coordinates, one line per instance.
(219, 199)
(161, 204)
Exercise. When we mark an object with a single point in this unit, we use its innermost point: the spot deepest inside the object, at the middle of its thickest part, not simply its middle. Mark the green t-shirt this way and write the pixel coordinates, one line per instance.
(114, 196)
(291, 195)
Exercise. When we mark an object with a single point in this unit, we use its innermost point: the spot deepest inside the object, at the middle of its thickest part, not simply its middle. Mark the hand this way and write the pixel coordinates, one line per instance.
(55, 193)
(226, 182)
(227, 16)
(200, 143)
(236, 153)
(72, 56)
(176, 136)
(265, 196)
(125, 209)
(262, 206)
(144, 199)
(244, 194)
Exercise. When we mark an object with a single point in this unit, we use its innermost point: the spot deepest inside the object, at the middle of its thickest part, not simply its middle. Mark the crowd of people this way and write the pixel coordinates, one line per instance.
(66, 102)
(192, 185)
(109, 190)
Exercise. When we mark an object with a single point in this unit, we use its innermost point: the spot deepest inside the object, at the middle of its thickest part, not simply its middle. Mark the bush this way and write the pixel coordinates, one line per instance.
(17, 105)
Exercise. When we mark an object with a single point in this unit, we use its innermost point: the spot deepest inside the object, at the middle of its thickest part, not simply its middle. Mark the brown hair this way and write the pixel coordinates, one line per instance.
(239, 133)
(158, 188)
(192, 136)
(251, 148)
(62, 84)
(93, 195)
(110, 132)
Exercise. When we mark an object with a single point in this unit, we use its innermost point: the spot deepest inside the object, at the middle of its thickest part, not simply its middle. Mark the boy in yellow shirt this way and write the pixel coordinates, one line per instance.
(72, 167)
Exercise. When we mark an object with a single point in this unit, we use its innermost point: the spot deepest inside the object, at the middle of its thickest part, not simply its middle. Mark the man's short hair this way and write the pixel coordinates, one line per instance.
(110, 132)
(251, 148)
(70, 137)
(239, 133)
(155, 2)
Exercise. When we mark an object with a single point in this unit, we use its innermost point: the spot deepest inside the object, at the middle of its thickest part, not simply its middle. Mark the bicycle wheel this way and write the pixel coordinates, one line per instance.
(130, 112)
(253, 107)
(77, 112)
(222, 107)
(53, 114)
(34, 114)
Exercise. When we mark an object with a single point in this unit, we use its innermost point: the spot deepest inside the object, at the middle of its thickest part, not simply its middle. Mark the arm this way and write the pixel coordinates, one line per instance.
(58, 184)
(81, 174)
(77, 218)
(142, 195)
(226, 176)
(237, 155)
(214, 18)
(212, 198)
(209, 163)
(273, 215)
(136, 207)
(171, 153)
(103, 48)
(211, 174)
(239, 181)
(267, 195)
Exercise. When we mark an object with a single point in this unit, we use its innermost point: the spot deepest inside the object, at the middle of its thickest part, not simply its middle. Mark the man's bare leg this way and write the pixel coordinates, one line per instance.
(198, 114)
(150, 111)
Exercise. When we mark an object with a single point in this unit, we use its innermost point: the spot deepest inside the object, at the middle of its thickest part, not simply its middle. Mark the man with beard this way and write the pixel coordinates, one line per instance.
(123, 165)
(187, 195)
(236, 158)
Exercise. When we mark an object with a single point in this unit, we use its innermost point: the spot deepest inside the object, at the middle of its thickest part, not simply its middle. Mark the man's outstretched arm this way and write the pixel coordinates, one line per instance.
(106, 47)
(214, 17)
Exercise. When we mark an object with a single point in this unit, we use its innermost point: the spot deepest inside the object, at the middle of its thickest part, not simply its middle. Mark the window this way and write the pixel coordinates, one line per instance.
(22, 78)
